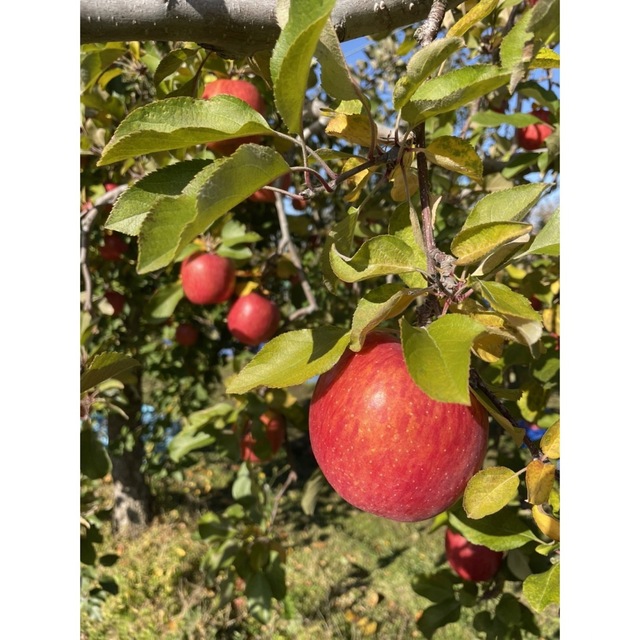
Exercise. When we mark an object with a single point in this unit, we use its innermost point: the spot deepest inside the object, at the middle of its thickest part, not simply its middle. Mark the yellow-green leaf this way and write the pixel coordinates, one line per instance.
(545, 59)
(477, 242)
(539, 478)
(456, 154)
(353, 128)
(336, 77)
(547, 242)
(517, 434)
(549, 525)
(104, 366)
(478, 13)
(550, 443)
(292, 358)
(489, 490)
(543, 589)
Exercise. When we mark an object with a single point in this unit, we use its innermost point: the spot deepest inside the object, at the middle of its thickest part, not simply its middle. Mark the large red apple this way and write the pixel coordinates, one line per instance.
(383, 444)
(471, 561)
(274, 432)
(186, 334)
(113, 247)
(533, 136)
(253, 319)
(207, 278)
(240, 89)
(266, 195)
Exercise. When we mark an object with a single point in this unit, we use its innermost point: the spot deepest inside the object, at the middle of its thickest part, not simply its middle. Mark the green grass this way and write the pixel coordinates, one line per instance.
(348, 577)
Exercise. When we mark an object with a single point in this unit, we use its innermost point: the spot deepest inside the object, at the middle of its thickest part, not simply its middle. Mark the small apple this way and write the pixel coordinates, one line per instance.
(186, 334)
(116, 300)
(244, 91)
(110, 186)
(113, 247)
(471, 561)
(207, 278)
(299, 205)
(253, 319)
(274, 431)
(535, 303)
(265, 195)
(383, 444)
(532, 136)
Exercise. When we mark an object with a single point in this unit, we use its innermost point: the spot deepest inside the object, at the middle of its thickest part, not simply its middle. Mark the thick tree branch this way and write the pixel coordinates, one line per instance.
(235, 28)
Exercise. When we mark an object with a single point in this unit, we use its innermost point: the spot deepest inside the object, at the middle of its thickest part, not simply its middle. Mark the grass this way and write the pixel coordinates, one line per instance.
(348, 577)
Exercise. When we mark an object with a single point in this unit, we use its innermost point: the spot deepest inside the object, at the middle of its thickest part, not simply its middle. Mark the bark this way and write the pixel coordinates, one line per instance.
(235, 28)
(132, 510)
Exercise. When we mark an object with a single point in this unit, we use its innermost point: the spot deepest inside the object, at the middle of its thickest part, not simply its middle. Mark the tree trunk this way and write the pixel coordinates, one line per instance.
(132, 510)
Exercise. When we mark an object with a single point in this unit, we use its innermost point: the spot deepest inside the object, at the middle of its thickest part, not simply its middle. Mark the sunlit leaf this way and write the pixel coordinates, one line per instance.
(476, 14)
(539, 478)
(292, 358)
(489, 490)
(457, 155)
(550, 443)
(477, 242)
(517, 434)
(438, 356)
(543, 589)
(94, 63)
(164, 301)
(104, 366)
(547, 242)
(549, 525)
(355, 129)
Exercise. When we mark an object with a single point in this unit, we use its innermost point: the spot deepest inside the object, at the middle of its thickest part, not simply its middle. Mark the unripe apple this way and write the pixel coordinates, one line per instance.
(116, 300)
(186, 334)
(244, 91)
(207, 278)
(113, 247)
(274, 431)
(532, 136)
(383, 444)
(253, 319)
(265, 195)
(471, 561)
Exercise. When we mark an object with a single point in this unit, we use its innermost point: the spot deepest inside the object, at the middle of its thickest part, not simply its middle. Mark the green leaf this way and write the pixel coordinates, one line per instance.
(545, 59)
(404, 224)
(478, 13)
(276, 576)
(501, 531)
(543, 589)
(379, 256)
(336, 77)
(508, 205)
(453, 90)
(172, 62)
(436, 587)
(212, 527)
(259, 594)
(187, 441)
(292, 54)
(515, 308)
(545, 20)
(438, 356)
(174, 222)
(547, 242)
(477, 242)
(234, 233)
(457, 155)
(421, 65)
(495, 119)
(292, 358)
(94, 63)
(181, 122)
(311, 491)
(94, 459)
(163, 302)
(131, 208)
(104, 366)
(489, 490)
(341, 236)
(376, 306)
(438, 615)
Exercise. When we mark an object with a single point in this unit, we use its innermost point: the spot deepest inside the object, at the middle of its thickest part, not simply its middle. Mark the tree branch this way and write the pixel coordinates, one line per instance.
(233, 28)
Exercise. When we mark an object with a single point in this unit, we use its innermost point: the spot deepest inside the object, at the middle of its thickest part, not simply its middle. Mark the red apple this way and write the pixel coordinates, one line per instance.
(253, 319)
(113, 247)
(207, 278)
(186, 334)
(532, 136)
(240, 89)
(383, 444)
(110, 186)
(116, 300)
(299, 205)
(265, 195)
(274, 431)
(471, 561)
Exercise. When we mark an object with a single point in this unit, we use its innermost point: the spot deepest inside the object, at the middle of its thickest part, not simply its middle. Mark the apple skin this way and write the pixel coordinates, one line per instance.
(275, 426)
(243, 90)
(533, 136)
(116, 300)
(264, 195)
(186, 334)
(472, 562)
(113, 247)
(383, 444)
(253, 319)
(207, 278)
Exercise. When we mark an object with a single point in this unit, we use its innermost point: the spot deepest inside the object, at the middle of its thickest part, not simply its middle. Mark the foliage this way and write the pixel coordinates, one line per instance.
(419, 214)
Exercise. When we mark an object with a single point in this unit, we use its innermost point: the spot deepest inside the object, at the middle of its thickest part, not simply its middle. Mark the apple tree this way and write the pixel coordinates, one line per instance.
(413, 192)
